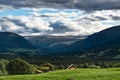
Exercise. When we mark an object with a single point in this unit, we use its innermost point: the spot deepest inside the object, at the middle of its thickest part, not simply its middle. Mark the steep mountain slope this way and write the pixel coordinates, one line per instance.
(12, 40)
(105, 39)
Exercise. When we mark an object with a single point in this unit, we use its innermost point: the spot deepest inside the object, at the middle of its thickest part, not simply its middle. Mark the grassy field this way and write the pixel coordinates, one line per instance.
(77, 74)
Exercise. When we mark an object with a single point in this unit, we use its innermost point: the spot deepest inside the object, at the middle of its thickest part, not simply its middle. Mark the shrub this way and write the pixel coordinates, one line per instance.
(94, 67)
(86, 65)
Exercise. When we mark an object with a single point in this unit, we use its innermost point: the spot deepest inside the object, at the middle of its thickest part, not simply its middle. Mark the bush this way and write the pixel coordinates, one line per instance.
(94, 67)
(86, 65)
(117, 65)
(19, 66)
(80, 65)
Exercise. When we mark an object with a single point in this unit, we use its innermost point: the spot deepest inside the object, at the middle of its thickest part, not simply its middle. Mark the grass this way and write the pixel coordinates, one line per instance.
(77, 74)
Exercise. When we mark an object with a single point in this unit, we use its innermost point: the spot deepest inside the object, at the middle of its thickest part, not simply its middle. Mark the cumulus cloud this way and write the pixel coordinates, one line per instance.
(83, 27)
(60, 23)
(101, 15)
(87, 5)
(93, 16)
(24, 25)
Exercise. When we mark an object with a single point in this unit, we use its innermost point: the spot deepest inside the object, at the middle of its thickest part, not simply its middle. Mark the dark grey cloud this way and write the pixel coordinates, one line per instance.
(59, 27)
(97, 4)
(87, 5)
(115, 17)
(58, 1)
(28, 4)
(100, 18)
(96, 18)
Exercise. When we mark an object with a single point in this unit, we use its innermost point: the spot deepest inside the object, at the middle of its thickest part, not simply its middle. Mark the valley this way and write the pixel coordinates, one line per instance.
(98, 47)
(59, 39)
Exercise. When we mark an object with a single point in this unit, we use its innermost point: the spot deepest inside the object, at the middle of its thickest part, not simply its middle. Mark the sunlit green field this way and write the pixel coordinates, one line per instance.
(77, 74)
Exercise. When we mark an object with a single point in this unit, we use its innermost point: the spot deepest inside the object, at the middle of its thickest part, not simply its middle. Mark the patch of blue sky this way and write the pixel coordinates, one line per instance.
(25, 12)
(71, 10)
(111, 23)
(43, 11)
(15, 12)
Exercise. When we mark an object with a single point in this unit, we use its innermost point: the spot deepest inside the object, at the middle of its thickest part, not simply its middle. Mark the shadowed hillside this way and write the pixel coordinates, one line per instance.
(12, 40)
(105, 39)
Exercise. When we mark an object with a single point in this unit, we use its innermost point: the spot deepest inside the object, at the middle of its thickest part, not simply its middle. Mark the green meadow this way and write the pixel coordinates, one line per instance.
(76, 74)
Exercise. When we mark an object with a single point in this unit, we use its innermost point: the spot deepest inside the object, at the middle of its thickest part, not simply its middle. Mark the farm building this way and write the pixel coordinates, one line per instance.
(72, 66)
(37, 71)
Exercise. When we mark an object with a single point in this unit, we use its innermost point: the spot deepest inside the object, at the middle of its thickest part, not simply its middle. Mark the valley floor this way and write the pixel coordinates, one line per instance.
(76, 74)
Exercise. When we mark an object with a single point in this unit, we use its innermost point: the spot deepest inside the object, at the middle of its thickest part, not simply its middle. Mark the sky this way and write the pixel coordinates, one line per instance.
(58, 17)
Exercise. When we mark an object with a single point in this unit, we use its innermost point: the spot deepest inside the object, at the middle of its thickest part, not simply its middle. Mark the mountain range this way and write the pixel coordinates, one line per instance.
(106, 40)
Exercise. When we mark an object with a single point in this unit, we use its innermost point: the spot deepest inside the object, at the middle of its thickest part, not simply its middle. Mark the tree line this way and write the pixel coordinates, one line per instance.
(19, 66)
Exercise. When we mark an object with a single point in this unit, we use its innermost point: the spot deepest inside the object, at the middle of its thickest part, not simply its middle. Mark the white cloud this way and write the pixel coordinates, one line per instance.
(24, 24)
(83, 27)
(9, 26)
(35, 23)
(60, 23)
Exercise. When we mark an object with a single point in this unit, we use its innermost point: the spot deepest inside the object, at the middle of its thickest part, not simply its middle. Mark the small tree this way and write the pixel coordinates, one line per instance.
(2, 69)
(19, 66)
(3, 64)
